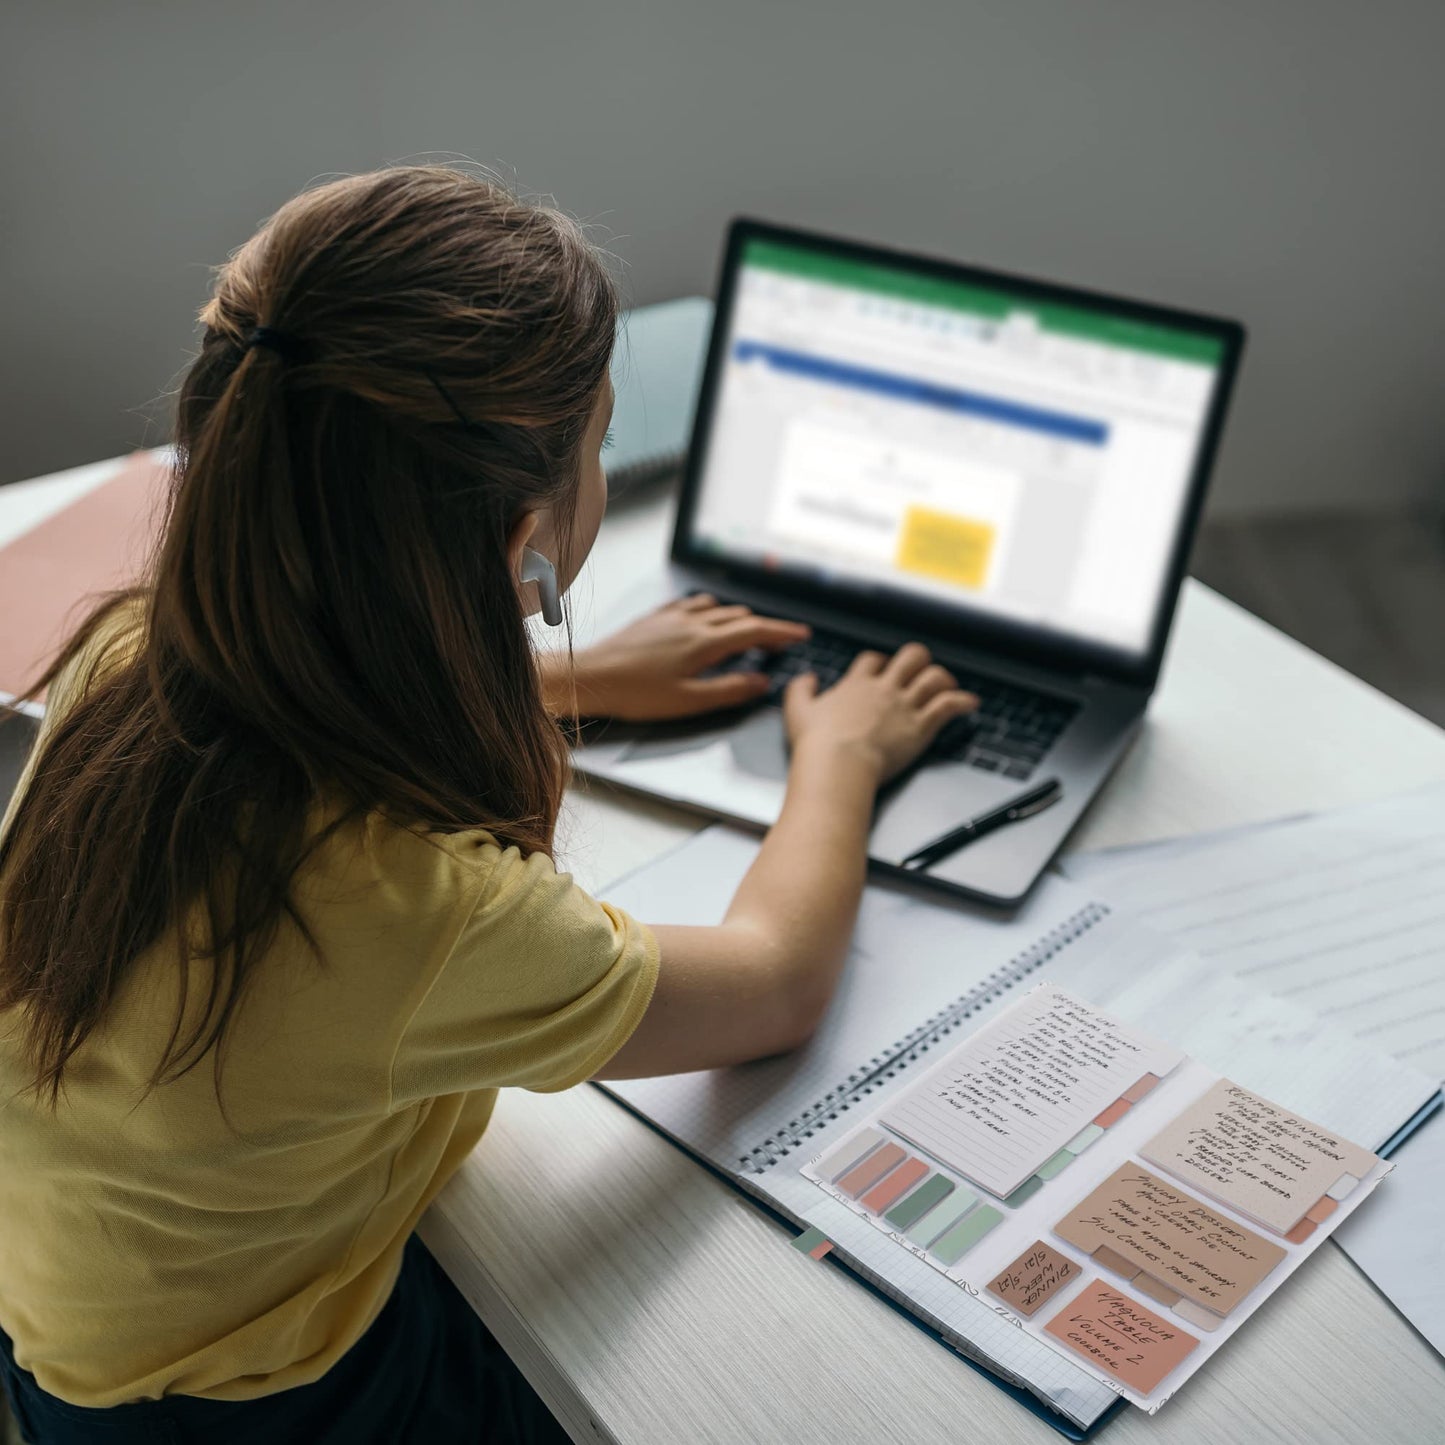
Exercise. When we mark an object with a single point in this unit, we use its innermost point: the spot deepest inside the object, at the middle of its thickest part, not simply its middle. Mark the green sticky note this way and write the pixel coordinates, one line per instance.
(912, 1207)
(1086, 1136)
(942, 1216)
(965, 1234)
(1056, 1165)
(1026, 1190)
(809, 1240)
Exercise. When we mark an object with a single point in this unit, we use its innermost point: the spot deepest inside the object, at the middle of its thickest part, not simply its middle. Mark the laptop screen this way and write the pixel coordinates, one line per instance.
(965, 443)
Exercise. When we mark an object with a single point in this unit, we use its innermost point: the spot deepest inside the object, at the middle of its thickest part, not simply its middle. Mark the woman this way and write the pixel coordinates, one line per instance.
(278, 914)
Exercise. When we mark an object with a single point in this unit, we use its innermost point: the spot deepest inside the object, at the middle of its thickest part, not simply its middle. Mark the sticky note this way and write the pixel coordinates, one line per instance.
(1120, 1335)
(1180, 1241)
(1061, 1161)
(947, 547)
(864, 1176)
(1254, 1156)
(943, 1216)
(813, 1242)
(965, 1234)
(1034, 1278)
(907, 1213)
(837, 1163)
(899, 1182)
(1005, 1102)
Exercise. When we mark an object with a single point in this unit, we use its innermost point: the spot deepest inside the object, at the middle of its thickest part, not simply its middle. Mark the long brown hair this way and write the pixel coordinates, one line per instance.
(331, 615)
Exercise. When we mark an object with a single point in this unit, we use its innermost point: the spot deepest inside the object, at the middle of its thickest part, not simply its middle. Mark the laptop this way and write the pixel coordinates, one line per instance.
(890, 447)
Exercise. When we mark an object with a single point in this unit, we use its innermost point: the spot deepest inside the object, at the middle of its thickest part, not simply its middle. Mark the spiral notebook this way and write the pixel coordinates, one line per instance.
(922, 975)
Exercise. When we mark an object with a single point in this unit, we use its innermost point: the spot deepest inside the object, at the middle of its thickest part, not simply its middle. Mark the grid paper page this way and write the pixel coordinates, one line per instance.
(911, 959)
(946, 1304)
(1342, 913)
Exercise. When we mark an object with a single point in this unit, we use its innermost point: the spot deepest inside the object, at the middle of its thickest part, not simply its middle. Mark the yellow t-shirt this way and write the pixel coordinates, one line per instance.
(151, 1248)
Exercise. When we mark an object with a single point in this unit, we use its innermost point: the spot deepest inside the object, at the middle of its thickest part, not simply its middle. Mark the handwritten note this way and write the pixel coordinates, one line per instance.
(1256, 1157)
(1034, 1277)
(1012, 1095)
(1171, 1236)
(1113, 1330)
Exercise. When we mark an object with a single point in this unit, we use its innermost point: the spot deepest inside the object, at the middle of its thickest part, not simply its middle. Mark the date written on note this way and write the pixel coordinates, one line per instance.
(1010, 1097)
(1260, 1159)
(1034, 1278)
(1132, 1343)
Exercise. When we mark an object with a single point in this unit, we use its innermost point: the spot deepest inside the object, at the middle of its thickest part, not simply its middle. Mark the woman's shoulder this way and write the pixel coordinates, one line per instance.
(407, 867)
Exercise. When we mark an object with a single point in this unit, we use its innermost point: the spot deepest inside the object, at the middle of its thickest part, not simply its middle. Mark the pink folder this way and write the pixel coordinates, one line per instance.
(51, 574)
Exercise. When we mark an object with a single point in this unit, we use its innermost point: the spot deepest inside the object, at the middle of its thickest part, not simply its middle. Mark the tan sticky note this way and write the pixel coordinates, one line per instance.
(1113, 1330)
(1254, 1156)
(1173, 1237)
(1035, 1276)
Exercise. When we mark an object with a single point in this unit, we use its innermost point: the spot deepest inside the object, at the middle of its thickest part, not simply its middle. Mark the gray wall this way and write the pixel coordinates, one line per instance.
(1279, 162)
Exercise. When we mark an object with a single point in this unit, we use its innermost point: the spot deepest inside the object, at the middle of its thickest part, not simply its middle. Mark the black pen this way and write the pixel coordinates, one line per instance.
(1024, 806)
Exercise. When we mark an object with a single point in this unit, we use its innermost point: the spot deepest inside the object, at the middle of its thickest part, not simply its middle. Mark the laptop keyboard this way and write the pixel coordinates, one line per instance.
(1011, 732)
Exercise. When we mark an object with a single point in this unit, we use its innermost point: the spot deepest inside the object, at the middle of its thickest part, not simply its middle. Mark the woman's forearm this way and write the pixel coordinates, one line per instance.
(800, 897)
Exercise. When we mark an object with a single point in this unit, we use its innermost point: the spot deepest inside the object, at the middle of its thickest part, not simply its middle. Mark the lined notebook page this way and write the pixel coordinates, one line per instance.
(1341, 913)
(911, 959)
(1021, 1087)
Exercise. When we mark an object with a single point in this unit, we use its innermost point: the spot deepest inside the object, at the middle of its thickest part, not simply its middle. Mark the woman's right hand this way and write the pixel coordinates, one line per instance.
(883, 710)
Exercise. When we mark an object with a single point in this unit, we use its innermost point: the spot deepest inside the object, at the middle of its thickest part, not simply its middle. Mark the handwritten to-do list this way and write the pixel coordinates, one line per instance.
(1260, 1159)
(1023, 1086)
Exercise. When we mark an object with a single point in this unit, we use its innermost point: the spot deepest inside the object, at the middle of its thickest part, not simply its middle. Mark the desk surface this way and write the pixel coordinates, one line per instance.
(649, 1302)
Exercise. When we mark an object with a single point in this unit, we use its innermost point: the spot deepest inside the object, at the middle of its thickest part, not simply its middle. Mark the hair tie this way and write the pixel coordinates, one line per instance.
(286, 346)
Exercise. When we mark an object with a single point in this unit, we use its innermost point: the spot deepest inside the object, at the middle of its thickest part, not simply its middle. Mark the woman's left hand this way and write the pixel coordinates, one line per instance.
(649, 670)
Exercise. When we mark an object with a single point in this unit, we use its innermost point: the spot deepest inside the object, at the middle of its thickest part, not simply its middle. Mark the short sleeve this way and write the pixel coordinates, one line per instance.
(543, 985)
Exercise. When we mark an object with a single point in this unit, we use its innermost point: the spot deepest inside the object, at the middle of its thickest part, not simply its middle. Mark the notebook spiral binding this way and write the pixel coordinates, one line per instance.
(881, 1068)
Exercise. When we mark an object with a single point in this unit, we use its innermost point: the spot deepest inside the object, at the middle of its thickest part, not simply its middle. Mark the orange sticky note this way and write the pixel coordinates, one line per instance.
(1114, 1331)
(1034, 1277)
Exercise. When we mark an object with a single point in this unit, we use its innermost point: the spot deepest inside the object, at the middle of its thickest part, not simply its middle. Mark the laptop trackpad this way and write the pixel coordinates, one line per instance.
(756, 742)
(930, 803)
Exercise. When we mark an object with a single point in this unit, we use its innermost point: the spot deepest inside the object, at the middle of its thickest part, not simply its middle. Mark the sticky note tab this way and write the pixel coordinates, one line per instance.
(907, 1212)
(1089, 1134)
(946, 547)
(834, 1165)
(965, 1234)
(1254, 1156)
(1115, 1332)
(1050, 1167)
(897, 1183)
(813, 1242)
(1034, 1277)
(1152, 1225)
(864, 1176)
(943, 1217)
(1025, 1191)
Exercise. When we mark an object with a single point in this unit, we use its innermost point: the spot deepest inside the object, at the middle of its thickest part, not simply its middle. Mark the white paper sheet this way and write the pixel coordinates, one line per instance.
(1395, 1240)
(1342, 913)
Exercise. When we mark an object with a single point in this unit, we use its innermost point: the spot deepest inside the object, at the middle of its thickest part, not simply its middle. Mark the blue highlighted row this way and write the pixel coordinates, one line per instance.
(926, 393)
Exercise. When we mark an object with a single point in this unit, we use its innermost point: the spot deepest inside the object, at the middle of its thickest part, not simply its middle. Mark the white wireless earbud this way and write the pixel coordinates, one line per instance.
(536, 568)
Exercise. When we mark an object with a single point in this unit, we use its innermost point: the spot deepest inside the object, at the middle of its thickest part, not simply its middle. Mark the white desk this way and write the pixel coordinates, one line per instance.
(649, 1302)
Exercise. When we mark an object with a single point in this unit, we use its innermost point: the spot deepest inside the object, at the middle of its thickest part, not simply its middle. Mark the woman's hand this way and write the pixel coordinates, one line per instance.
(649, 670)
(883, 710)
